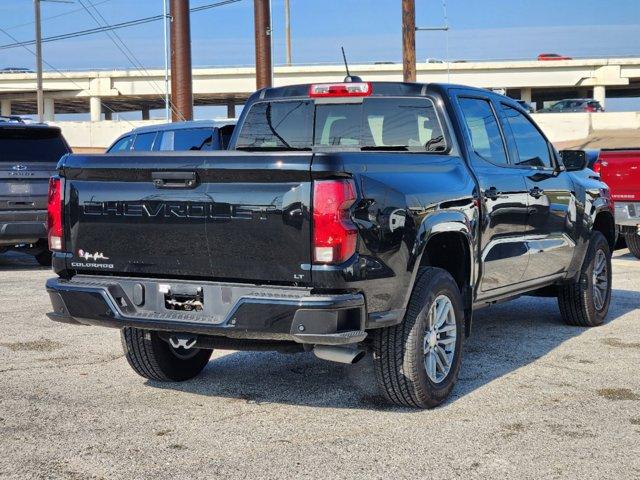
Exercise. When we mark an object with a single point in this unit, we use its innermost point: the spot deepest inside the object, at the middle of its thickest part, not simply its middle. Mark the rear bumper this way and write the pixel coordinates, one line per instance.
(22, 226)
(628, 214)
(230, 310)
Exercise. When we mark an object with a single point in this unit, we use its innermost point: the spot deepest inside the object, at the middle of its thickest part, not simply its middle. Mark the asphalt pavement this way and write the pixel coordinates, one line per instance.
(536, 399)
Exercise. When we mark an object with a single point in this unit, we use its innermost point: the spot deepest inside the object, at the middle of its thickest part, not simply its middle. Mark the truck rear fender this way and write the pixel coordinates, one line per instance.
(445, 240)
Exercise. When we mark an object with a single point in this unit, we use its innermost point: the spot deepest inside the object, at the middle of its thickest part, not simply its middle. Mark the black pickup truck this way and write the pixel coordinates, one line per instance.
(346, 218)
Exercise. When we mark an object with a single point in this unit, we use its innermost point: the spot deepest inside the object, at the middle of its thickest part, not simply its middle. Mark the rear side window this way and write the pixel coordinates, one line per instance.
(483, 128)
(286, 125)
(533, 150)
(144, 142)
(187, 139)
(31, 144)
(122, 145)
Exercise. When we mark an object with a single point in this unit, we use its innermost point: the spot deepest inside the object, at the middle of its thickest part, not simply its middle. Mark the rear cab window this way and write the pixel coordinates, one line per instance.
(31, 144)
(374, 123)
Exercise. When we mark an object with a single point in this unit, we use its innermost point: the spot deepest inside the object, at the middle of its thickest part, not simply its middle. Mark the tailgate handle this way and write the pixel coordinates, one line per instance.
(174, 179)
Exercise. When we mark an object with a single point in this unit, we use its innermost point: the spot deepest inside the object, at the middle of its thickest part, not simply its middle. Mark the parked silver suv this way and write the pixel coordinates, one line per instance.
(28, 157)
(204, 135)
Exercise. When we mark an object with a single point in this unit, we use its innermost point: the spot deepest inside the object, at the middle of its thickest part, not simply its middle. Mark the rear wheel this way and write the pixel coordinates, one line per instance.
(585, 302)
(633, 243)
(417, 362)
(153, 358)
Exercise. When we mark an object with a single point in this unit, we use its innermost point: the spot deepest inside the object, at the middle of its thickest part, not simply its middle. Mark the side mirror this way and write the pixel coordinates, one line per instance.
(574, 160)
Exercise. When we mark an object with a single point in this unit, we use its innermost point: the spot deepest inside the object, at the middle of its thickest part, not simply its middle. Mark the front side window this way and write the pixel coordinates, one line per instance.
(483, 128)
(533, 149)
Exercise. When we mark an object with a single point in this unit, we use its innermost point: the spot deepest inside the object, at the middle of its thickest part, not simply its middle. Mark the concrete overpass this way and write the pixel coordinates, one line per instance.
(102, 92)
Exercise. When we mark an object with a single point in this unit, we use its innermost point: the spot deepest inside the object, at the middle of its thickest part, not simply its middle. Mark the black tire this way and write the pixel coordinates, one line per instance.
(398, 354)
(153, 358)
(576, 300)
(44, 258)
(633, 243)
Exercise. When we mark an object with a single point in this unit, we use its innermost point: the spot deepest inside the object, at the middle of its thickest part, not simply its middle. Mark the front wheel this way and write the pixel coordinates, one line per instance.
(153, 358)
(585, 302)
(633, 243)
(417, 362)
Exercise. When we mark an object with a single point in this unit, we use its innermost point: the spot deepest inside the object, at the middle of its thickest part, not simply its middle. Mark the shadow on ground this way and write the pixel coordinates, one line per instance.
(15, 261)
(505, 338)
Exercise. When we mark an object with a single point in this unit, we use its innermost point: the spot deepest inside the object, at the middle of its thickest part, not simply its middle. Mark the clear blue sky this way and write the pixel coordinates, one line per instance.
(370, 31)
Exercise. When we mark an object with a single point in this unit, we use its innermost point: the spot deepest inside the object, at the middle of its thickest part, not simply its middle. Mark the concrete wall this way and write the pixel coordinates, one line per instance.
(559, 127)
(91, 136)
(562, 127)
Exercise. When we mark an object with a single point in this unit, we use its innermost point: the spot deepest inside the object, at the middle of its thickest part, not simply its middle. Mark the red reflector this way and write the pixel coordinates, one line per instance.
(597, 166)
(356, 89)
(54, 214)
(334, 235)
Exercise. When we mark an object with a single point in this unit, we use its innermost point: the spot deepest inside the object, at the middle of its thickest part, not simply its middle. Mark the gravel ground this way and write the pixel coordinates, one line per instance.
(536, 399)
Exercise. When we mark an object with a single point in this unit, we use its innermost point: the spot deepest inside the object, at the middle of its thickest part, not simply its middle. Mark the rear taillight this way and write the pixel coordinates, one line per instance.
(356, 89)
(54, 214)
(334, 234)
(589, 108)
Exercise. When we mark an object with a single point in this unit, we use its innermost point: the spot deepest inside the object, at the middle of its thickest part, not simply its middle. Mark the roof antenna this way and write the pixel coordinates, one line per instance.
(349, 78)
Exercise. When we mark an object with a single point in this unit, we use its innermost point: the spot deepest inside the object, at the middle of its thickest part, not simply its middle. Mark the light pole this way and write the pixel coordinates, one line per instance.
(287, 29)
(39, 88)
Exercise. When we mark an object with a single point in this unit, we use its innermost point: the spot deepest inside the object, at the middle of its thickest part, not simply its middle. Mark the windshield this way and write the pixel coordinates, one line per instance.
(31, 145)
(393, 124)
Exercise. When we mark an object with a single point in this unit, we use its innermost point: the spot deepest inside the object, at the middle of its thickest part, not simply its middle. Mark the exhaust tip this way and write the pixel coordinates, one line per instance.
(338, 354)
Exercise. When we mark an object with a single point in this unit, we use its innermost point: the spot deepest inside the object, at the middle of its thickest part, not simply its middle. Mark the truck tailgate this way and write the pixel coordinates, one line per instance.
(228, 215)
(620, 169)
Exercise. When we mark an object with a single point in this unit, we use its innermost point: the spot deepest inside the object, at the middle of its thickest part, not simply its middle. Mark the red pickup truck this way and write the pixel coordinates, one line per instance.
(620, 169)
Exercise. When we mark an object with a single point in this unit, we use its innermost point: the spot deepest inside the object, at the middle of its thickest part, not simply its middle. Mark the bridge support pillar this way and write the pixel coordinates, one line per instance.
(49, 110)
(95, 109)
(231, 110)
(145, 114)
(5, 107)
(600, 94)
(108, 115)
(525, 94)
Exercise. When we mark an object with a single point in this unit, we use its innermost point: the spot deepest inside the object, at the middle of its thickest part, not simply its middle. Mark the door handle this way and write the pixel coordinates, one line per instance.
(174, 179)
(492, 193)
(536, 192)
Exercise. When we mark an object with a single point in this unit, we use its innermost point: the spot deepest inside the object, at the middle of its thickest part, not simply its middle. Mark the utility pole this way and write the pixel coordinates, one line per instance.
(40, 93)
(165, 32)
(409, 40)
(181, 78)
(262, 21)
(287, 29)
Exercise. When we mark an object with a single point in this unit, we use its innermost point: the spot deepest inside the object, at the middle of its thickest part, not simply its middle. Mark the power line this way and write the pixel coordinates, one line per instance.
(122, 46)
(53, 17)
(61, 73)
(92, 31)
